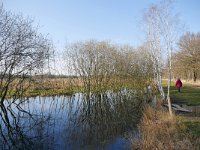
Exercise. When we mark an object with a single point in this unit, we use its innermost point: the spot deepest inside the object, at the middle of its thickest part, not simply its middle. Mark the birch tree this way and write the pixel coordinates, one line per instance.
(163, 29)
(152, 23)
(170, 29)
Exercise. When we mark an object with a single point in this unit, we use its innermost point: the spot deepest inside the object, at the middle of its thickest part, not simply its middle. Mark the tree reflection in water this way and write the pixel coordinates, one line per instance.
(20, 129)
(82, 121)
(103, 117)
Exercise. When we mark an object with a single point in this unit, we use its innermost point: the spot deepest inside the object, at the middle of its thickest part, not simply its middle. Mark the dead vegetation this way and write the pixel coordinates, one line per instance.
(159, 131)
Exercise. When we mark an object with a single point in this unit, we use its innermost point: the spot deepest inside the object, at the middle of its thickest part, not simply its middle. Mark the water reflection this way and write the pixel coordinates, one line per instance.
(102, 119)
(83, 121)
(20, 129)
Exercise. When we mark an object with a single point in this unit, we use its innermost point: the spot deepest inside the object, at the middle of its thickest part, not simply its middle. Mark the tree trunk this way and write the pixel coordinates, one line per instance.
(168, 95)
(195, 76)
(169, 79)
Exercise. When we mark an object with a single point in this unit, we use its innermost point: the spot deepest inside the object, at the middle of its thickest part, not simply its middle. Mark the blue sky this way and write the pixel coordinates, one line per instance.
(119, 21)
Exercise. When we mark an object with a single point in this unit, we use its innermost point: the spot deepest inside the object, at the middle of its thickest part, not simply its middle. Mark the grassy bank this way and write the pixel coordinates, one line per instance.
(159, 131)
(68, 86)
(190, 93)
(39, 87)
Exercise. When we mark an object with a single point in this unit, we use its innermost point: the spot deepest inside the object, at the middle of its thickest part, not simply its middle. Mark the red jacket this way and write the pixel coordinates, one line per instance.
(178, 83)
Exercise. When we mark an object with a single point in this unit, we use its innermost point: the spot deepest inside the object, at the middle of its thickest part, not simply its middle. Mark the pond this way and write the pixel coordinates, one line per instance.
(82, 121)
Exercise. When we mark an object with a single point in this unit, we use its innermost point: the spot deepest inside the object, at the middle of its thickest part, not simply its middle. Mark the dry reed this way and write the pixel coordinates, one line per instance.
(158, 131)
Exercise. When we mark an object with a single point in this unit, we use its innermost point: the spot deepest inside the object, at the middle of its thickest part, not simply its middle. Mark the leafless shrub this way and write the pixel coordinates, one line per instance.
(23, 52)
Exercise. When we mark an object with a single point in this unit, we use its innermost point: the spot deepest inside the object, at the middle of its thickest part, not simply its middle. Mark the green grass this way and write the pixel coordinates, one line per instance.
(189, 95)
(36, 92)
(193, 127)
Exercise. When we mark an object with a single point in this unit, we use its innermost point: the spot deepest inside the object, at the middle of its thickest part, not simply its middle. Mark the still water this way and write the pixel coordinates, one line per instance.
(82, 121)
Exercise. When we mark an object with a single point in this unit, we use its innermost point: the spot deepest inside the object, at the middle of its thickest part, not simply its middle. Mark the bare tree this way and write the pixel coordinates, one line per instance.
(137, 65)
(102, 66)
(163, 27)
(189, 55)
(152, 23)
(92, 62)
(170, 29)
(23, 52)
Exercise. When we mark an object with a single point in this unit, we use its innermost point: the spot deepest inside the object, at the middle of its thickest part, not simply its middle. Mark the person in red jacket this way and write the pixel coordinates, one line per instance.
(179, 85)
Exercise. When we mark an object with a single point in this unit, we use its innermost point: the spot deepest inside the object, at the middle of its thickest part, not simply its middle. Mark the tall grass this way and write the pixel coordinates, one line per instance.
(157, 130)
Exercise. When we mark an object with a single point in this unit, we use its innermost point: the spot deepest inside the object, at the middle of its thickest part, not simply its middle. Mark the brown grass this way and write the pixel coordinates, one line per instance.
(158, 131)
(42, 86)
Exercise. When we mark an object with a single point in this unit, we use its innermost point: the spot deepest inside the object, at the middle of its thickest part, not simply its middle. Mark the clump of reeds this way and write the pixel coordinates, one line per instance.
(159, 131)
